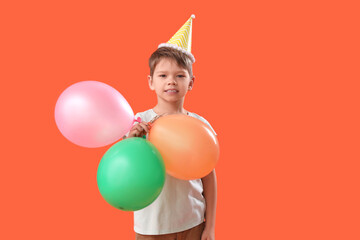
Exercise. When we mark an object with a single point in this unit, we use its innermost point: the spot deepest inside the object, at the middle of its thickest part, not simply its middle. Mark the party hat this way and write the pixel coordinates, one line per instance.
(182, 39)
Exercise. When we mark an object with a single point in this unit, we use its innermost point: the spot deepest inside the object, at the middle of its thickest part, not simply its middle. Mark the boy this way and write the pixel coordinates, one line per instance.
(179, 211)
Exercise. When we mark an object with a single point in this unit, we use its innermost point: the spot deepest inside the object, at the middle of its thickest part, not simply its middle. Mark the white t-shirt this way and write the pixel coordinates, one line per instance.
(180, 205)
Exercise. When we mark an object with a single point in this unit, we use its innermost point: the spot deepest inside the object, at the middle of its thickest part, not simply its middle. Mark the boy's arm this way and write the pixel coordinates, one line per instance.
(210, 194)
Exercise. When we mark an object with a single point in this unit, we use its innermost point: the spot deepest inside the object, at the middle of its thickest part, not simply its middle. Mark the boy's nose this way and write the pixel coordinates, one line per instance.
(172, 81)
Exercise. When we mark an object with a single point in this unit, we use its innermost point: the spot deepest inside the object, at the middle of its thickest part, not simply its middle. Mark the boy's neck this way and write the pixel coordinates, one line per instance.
(169, 109)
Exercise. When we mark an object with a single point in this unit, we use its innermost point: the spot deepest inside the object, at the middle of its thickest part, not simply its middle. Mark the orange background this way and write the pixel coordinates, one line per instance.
(278, 81)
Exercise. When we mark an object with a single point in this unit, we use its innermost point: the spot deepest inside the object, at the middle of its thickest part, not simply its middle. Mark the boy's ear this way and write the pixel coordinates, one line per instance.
(191, 84)
(150, 80)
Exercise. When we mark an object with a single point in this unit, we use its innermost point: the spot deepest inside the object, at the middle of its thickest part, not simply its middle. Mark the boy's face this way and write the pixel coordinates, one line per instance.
(169, 81)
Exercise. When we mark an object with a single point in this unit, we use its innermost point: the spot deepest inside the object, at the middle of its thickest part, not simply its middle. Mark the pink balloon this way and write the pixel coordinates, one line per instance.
(93, 114)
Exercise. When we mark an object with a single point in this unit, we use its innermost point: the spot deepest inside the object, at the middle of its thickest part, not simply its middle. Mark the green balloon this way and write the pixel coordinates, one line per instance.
(131, 174)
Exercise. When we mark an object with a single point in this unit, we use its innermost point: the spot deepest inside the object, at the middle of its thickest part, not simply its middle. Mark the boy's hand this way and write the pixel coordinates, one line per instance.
(208, 234)
(142, 128)
(139, 130)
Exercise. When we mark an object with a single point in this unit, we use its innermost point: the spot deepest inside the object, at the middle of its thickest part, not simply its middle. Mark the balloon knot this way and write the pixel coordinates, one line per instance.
(137, 120)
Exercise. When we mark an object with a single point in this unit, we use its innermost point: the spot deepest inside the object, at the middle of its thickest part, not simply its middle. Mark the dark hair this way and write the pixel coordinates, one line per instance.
(167, 52)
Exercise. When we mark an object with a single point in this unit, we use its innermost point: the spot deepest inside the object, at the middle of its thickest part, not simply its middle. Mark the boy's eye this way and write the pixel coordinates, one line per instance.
(181, 76)
(162, 75)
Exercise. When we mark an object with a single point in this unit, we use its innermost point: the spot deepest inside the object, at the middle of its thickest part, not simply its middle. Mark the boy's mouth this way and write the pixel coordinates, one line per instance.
(171, 90)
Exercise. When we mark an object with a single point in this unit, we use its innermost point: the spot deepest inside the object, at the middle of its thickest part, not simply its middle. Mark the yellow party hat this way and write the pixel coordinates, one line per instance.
(182, 39)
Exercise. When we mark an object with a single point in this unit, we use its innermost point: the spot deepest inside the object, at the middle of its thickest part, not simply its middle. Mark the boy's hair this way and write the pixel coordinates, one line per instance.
(167, 52)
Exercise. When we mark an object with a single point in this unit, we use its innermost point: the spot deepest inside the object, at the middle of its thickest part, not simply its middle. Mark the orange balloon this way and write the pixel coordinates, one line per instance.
(189, 147)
